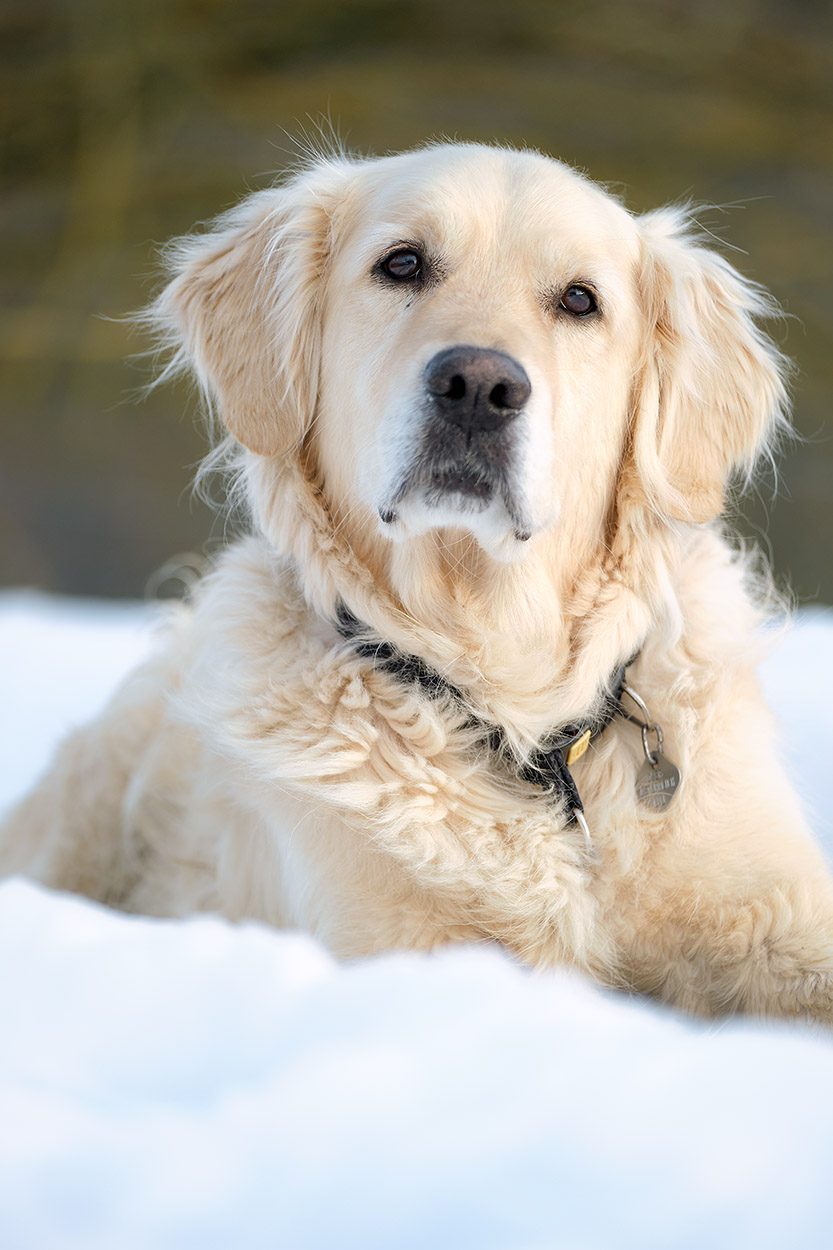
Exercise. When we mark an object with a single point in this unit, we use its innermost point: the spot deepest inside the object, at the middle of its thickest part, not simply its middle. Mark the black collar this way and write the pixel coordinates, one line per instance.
(549, 765)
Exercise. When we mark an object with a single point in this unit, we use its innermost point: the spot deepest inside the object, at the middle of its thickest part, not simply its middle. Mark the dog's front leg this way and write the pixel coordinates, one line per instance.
(711, 930)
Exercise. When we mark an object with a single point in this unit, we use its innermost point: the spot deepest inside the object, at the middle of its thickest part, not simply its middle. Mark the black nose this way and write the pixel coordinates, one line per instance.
(477, 389)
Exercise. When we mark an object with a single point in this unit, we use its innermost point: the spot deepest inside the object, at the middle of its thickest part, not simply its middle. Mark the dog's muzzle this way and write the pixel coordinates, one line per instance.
(464, 459)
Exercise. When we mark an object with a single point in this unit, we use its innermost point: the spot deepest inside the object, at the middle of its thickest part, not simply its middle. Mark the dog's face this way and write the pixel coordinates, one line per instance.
(480, 332)
(466, 338)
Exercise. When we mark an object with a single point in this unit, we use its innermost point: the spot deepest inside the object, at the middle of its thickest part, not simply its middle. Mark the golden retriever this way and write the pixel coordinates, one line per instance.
(484, 668)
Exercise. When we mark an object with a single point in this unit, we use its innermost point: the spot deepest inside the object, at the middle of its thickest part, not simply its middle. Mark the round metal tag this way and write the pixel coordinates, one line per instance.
(657, 784)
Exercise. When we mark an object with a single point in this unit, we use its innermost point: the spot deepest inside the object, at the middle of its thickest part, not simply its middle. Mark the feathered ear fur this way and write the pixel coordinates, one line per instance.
(711, 387)
(242, 310)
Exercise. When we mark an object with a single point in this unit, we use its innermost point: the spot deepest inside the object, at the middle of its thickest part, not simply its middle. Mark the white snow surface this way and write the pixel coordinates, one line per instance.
(196, 1084)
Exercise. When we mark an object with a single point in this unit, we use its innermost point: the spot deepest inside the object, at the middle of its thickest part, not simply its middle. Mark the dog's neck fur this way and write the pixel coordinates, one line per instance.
(527, 641)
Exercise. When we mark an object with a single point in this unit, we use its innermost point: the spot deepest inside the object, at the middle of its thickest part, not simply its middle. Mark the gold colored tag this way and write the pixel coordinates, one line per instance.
(578, 748)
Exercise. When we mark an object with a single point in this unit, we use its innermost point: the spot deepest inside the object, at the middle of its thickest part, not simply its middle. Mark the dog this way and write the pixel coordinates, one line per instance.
(483, 669)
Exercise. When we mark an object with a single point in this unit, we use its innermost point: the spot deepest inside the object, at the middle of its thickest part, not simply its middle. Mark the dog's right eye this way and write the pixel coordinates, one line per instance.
(403, 266)
(579, 300)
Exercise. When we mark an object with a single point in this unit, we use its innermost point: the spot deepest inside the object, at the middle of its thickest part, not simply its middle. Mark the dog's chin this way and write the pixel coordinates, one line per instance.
(460, 504)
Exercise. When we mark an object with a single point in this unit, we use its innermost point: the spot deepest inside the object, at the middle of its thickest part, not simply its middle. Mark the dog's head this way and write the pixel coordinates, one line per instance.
(472, 339)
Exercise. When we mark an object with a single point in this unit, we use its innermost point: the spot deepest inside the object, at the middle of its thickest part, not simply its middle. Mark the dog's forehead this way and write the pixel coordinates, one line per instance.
(475, 196)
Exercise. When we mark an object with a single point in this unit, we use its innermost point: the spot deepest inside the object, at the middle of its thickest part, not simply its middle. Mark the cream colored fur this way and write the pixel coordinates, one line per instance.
(258, 767)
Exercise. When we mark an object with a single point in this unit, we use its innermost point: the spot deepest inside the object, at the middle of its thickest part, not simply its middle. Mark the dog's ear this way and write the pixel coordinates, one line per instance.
(710, 390)
(242, 308)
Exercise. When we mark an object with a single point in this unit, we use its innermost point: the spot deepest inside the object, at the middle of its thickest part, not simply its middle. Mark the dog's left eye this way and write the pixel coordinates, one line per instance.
(579, 300)
(403, 265)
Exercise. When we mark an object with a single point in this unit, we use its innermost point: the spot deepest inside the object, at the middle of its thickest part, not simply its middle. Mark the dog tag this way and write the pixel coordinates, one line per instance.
(657, 782)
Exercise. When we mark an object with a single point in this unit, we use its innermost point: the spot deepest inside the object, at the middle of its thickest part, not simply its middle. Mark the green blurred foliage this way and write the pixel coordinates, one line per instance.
(127, 121)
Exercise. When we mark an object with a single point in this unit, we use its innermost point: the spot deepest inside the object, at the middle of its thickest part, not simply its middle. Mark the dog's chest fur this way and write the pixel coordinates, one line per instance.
(328, 779)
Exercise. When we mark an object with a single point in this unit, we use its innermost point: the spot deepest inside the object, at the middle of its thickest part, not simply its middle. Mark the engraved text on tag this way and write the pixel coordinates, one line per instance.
(657, 783)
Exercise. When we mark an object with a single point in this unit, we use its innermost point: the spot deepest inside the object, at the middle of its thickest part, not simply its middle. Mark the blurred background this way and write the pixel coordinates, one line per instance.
(128, 121)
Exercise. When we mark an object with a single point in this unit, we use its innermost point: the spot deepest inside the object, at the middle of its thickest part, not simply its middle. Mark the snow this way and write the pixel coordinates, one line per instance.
(198, 1084)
